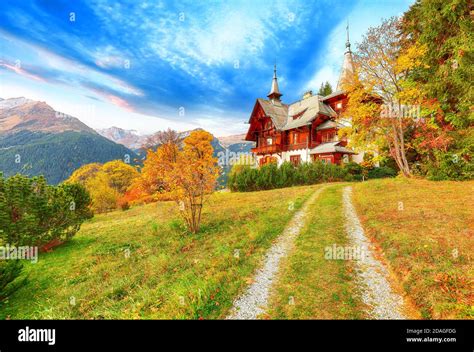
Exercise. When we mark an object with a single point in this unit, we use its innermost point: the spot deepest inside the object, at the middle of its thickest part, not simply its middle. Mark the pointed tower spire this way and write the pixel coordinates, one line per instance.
(274, 94)
(347, 70)
(348, 43)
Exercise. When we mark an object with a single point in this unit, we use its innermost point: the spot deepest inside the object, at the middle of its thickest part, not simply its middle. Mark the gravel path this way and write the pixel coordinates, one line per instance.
(254, 301)
(372, 274)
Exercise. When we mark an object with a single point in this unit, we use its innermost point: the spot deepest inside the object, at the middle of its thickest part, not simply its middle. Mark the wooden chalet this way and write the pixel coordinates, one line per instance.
(303, 131)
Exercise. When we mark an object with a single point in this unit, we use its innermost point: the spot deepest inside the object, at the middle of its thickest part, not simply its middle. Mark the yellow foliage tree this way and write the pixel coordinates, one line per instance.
(381, 68)
(186, 176)
(192, 177)
(121, 175)
(84, 173)
(106, 183)
(104, 197)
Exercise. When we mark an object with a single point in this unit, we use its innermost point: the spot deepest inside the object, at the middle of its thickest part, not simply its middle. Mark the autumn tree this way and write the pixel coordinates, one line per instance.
(104, 197)
(107, 183)
(84, 173)
(446, 29)
(150, 184)
(169, 136)
(379, 80)
(442, 81)
(191, 177)
(121, 175)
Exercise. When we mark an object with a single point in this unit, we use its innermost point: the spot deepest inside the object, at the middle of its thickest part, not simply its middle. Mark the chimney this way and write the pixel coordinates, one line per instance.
(308, 94)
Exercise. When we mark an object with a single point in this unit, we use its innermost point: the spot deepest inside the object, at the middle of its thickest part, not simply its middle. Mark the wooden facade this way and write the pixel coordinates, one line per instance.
(274, 144)
(304, 131)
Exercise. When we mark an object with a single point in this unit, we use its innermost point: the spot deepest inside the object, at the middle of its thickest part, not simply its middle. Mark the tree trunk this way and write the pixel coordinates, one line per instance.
(398, 150)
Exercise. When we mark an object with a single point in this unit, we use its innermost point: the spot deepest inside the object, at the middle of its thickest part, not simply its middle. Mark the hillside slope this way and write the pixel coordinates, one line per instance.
(166, 266)
(56, 155)
(37, 140)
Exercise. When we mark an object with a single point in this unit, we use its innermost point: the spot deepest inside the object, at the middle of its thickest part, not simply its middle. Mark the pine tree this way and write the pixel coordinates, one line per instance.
(325, 89)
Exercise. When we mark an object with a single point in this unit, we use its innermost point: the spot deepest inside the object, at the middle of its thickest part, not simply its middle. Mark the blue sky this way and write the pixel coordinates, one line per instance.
(150, 65)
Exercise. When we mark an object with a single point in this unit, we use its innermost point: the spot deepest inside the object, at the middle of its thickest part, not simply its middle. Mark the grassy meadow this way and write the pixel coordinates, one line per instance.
(425, 232)
(141, 264)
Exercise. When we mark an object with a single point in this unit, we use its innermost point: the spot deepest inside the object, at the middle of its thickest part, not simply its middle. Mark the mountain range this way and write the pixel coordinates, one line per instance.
(37, 140)
(133, 140)
(129, 138)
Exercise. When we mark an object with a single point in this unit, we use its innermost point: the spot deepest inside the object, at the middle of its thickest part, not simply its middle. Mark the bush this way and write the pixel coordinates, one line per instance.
(32, 213)
(450, 166)
(270, 176)
(286, 176)
(9, 271)
(124, 205)
(382, 172)
(360, 172)
(243, 178)
(353, 168)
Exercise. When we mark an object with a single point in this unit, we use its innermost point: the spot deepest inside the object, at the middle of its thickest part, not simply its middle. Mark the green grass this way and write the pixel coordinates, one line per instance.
(310, 286)
(424, 230)
(169, 273)
(428, 246)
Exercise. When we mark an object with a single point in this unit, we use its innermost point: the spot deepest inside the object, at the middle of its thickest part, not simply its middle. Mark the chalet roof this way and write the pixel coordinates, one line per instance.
(308, 109)
(333, 94)
(277, 111)
(329, 124)
(330, 147)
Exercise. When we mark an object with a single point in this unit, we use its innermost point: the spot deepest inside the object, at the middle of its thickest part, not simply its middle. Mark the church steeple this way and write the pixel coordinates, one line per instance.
(347, 70)
(274, 94)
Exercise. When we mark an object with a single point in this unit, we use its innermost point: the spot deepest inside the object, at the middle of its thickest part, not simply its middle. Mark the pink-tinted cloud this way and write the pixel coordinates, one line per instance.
(114, 99)
(21, 71)
(119, 102)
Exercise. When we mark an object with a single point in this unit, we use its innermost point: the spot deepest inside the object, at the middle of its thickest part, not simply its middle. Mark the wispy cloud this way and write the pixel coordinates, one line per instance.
(155, 57)
(20, 71)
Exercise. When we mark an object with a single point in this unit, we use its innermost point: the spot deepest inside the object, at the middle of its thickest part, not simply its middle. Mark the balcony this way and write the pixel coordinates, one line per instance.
(295, 146)
(267, 149)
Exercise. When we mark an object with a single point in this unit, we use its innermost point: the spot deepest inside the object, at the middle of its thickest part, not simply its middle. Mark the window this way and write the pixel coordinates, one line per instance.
(295, 138)
(295, 159)
(339, 105)
(326, 160)
(329, 136)
(269, 141)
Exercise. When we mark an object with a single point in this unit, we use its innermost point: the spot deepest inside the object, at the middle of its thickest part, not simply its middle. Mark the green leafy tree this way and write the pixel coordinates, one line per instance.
(325, 89)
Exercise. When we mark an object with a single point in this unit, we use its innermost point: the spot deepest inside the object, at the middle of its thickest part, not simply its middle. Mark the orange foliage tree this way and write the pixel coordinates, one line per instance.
(186, 175)
(150, 185)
